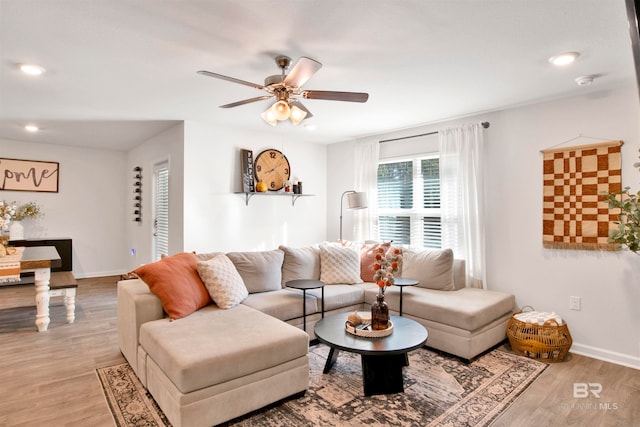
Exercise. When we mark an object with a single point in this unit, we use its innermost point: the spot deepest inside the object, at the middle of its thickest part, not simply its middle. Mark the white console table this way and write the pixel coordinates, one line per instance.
(40, 260)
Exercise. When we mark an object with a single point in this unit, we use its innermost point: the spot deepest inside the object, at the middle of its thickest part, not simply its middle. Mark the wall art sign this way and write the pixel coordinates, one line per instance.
(576, 182)
(29, 175)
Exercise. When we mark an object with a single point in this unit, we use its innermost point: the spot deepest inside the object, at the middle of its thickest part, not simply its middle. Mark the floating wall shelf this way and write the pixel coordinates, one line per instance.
(294, 197)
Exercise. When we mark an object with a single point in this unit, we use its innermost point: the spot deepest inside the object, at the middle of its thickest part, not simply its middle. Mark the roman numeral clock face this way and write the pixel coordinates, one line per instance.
(272, 167)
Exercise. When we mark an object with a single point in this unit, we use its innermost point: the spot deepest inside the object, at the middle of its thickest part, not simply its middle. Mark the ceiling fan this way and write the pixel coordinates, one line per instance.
(286, 89)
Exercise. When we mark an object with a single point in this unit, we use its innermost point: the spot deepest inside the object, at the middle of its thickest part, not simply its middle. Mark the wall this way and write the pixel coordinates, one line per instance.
(215, 219)
(166, 146)
(89, 207)
(607, 327)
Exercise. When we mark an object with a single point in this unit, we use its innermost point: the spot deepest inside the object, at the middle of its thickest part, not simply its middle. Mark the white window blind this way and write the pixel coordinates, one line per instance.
(409, 201)
(161, 211)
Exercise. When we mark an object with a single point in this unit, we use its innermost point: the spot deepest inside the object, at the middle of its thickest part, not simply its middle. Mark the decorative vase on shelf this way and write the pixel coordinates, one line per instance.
(379, 313)
(16, 230)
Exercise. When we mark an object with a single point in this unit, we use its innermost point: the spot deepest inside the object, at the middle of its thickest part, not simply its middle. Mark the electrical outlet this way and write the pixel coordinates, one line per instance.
(575, 303)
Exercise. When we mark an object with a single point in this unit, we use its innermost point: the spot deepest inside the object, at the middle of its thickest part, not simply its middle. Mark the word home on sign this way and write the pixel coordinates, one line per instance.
(29, 175)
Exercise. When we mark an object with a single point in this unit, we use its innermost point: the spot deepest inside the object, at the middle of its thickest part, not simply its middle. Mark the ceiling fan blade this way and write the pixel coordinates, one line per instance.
(246, 101)
(302, 71)
(302, 107)
(230, 79)
(336, 96)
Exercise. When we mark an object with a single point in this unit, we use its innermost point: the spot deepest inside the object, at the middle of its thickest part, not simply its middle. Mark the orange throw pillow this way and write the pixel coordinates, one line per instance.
(176, 282)
(368, 258)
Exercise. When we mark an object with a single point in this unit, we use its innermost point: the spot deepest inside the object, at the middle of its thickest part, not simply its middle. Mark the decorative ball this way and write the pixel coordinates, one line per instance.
(355, 318)
(261, 187)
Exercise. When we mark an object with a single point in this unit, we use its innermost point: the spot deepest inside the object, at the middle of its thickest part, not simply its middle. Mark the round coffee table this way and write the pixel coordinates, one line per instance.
(382, 358)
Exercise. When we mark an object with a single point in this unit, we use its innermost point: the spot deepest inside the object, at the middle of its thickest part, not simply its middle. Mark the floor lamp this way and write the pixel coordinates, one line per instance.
(355, 200)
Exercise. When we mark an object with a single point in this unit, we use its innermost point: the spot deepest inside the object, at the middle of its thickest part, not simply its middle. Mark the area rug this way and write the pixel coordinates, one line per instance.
(440, 390)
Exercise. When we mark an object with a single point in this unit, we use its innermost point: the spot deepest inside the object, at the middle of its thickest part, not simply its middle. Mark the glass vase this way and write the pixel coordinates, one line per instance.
(379, 314)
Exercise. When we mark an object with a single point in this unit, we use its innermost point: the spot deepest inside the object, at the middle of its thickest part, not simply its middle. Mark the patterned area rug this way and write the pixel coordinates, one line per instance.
(440, 390)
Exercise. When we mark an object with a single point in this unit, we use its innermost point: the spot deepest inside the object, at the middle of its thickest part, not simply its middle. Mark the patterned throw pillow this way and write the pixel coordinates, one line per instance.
(222, 281)
(339, 265)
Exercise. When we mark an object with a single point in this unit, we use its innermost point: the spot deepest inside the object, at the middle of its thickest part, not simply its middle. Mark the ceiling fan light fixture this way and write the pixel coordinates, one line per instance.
(297, 115)
(269, 116)
(281, 110)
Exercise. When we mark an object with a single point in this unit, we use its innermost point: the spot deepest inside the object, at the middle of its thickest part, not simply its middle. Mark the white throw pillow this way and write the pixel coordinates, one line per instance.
(339, 265)
(222, 281)
(432, 268)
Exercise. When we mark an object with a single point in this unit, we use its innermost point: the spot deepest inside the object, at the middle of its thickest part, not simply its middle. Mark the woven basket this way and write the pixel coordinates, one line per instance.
(549, 342)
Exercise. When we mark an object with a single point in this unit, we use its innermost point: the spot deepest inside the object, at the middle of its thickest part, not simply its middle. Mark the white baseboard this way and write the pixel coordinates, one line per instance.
(606, 355)
(98, 274)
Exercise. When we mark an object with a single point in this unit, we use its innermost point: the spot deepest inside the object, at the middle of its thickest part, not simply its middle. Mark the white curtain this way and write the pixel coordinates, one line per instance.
(365, 221)
(461, 193)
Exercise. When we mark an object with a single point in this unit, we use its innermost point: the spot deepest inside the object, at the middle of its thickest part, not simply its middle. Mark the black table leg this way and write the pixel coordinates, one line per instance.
(331, 359)
(323, 302)
(304, 310)
(400, 300)
(382, 374)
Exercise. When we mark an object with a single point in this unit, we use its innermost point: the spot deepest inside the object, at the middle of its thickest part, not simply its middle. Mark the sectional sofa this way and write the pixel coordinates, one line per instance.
(208, 364)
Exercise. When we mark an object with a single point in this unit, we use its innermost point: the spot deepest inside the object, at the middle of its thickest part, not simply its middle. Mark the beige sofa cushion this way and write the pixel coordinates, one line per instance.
(432, 268)
(203, 349)
(300, 263)
(468, 308)
(283, 304)
(339, 265)
(222, 281)
(337, 296)
(260, 271)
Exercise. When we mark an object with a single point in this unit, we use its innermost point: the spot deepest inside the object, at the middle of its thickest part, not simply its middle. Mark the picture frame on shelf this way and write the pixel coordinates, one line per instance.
(247, 171)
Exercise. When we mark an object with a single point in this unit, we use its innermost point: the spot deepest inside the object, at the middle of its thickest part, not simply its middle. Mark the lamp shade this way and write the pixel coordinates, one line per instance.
(269, 117)
(357, 200)
(297, 115)
(281, 110)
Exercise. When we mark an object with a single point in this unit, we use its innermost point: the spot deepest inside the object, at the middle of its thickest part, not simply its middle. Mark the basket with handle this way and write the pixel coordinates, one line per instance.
(549, 342)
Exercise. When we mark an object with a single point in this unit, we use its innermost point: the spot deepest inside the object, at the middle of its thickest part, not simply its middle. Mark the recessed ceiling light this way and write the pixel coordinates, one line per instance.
(565, 58)
(32, 69)
(31, 128)
(310, 126)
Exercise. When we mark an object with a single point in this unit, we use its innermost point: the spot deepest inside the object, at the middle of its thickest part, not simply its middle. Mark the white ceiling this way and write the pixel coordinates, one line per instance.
(119, 72)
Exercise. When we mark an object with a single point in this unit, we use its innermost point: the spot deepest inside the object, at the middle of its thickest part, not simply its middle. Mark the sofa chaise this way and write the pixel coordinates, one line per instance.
(216, 364)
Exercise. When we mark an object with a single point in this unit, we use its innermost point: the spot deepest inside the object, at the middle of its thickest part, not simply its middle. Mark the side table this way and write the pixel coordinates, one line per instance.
(401, 282)
(304, 284)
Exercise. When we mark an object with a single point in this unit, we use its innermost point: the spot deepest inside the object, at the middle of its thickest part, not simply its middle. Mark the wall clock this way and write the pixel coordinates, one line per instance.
(272, 167)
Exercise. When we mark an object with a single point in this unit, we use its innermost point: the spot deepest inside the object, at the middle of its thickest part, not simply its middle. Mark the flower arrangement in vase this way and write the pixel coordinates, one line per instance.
(385, 267)
(7, 212)
(11, 214)
(29, 210)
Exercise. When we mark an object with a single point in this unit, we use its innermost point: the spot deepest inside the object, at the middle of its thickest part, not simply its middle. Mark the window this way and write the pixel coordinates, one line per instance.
(161, 210)
(409, 201)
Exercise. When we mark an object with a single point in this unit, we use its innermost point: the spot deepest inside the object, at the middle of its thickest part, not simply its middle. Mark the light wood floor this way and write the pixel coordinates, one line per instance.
(48, 378)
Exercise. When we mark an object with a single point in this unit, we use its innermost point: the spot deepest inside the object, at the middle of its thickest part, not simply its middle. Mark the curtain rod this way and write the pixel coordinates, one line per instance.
(484, 125)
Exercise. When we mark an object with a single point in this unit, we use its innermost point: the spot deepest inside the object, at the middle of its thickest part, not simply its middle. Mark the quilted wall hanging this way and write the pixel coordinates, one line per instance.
(576, 182)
